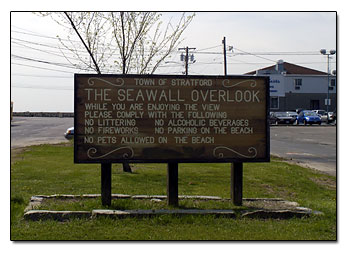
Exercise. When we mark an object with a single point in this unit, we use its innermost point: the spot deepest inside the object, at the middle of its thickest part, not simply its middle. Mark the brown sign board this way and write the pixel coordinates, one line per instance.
(155, 118)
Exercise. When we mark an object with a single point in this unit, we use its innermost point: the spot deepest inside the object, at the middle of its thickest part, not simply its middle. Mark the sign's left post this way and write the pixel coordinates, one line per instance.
(106, 184)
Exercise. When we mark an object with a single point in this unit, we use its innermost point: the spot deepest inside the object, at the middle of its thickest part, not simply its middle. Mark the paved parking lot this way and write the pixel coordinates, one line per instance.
(313, 146)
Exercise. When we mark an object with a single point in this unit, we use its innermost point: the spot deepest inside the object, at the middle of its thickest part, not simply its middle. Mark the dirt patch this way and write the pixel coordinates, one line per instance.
(326, 182)
(269, 204)
(268, 188)
(315, 167)
(278, 192)
(17, 154)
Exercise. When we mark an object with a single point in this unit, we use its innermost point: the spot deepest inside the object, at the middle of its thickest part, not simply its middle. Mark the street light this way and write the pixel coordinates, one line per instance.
(332, 52)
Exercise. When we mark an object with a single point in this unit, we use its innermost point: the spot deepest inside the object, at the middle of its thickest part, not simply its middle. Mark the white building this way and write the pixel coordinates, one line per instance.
(296, 87)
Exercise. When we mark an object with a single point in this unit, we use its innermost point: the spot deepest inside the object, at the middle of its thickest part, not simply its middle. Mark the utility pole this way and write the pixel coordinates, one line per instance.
(225, 55)
(187, 57)
(173, 169)
(236, 171)
(328, 102)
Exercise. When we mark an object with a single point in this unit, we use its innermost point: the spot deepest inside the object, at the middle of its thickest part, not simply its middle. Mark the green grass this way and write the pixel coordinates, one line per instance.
(49, 169)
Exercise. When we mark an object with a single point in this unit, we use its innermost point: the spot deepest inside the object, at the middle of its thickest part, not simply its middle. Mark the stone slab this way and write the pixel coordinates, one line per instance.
(151, 213)
(36, 215)
(149, 197)
(200, 197)
(262, 208)
(276, 214)
(124, 196)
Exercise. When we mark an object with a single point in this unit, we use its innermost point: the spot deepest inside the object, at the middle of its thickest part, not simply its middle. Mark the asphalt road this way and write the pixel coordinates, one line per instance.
(38, 130)
(312, 146)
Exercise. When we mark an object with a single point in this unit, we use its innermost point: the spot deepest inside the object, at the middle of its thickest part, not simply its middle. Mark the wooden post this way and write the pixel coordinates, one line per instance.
(126, 167)
(236, 183)
(106, 183)
(172, 184)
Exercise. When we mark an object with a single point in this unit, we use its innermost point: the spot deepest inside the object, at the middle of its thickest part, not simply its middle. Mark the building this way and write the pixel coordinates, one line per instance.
(296, 87)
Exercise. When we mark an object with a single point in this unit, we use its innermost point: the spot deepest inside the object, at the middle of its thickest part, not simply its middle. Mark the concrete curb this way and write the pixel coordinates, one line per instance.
(293, 209)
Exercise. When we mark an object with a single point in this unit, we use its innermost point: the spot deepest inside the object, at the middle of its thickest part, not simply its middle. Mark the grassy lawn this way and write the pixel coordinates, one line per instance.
(49, 169)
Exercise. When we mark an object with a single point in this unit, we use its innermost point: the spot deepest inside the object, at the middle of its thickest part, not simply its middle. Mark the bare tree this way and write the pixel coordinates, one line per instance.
(142, 43)
(123, 42)
(92, 28)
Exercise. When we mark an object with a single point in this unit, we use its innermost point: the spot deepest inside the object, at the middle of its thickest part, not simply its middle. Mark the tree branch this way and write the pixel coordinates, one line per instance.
(83, 42)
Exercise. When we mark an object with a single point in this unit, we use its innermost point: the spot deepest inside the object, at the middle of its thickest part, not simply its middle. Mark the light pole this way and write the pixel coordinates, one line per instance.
(332, 52)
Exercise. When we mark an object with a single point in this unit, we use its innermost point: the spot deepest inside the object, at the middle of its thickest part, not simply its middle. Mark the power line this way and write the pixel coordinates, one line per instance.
(201, 51)
(39, 35)
(52, 63)
(64, 52)
(255, 63)
(45, 88)
(207, 48)
(23, 29)
(262, 53)
(53, 53)
(255, 55)
(45, 62)
(32, 66)
(41, 67)
(41, 76)
(44, 51)
(278, 53)
(42, 36)
(66, 49)
(57, 38)
(32, 33)
(41, 44)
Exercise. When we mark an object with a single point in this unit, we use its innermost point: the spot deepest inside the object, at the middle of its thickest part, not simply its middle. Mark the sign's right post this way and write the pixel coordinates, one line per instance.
(236, 183)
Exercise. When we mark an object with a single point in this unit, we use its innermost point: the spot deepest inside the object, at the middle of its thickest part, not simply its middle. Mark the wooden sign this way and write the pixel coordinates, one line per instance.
(152, 118)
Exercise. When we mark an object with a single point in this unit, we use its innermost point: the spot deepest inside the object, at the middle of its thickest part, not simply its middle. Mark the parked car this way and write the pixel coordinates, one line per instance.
(298, 110)
(308, 117)
(333, 117)
(69, 134)
(292, 114)
(322, 114)
(282, 118)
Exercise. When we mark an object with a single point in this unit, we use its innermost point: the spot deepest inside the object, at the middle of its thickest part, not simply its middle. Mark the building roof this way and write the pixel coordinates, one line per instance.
(291, 68)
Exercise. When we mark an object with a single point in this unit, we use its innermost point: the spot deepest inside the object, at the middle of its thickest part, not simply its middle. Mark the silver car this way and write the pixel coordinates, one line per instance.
(322, 114)
(69, 134)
